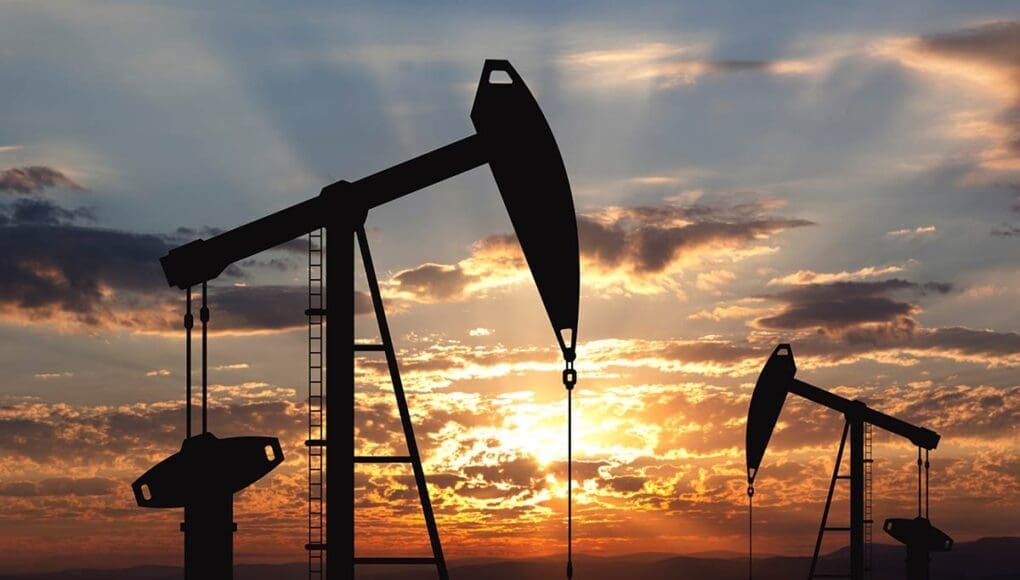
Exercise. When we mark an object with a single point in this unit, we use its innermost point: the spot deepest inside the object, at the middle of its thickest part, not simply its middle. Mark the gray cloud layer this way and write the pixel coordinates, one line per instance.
(649, 238)
(837, 306)
(102, 277)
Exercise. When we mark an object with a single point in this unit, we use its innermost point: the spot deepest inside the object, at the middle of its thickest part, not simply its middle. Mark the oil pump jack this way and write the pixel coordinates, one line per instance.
(774, 382)
(513, 137)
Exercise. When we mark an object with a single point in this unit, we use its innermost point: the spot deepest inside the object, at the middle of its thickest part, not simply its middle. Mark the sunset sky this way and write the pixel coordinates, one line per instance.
(846, 179)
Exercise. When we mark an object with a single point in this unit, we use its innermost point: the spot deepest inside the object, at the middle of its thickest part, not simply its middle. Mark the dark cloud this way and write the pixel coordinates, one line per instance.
(838, 306)
(59, 487)
(255, 308)
(1007, 232)
(29, 211)
(101, 278)
(362, 303)
(35, 179)
(640, 242)
(626, 483)
(905, 338)
(521, 472)
(714, 352)
(851, 319)
(53, 268)
(433, 282)
(962, 342)
(258, 307)
(936, 288)
(58, 436)
(649, 239)
(961, 410)
(184, 234)
(276, 264)
(996, 43)
(73, 269)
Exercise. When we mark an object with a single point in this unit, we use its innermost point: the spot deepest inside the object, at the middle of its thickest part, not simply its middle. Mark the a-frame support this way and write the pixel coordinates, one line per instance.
(413, 457)
(855, 429)
(340, 456)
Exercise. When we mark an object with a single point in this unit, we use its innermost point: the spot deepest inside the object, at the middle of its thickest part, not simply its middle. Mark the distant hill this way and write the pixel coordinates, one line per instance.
(985, 559)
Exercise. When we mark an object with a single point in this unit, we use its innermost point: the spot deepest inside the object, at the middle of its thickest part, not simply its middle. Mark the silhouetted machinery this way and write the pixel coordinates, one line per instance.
(515, 140)
(202, 478)
(774, 382)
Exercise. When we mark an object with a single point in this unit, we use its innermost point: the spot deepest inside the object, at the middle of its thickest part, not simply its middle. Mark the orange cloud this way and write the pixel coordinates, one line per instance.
(639, 250)
(662, 65)
(812, 277)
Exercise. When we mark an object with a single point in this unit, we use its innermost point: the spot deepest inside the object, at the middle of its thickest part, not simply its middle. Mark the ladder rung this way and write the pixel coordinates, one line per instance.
(369, 347)
(315, 546)
(382, 459)
(842, 477)
(392, 561)
(837, 529)
(315, 312)
(831, 576)
(315, 443)
(869, 461)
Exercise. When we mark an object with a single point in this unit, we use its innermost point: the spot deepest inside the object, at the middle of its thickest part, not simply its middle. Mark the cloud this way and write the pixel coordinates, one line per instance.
(496, 262)
(77, 274)
(842, 322)
(63, 438)
(28, 211)
(986, 347)
(266, 308)
(986, 58)
(637, 250)
(712, 280)
(52, 375)
(258, 308)
(839, 306)
(648, 455)
(812, 277)
(912, 233)
(1007, 232)
(91, 278)
(433, 282)
(663, 65)
(641, 249)
(732, 311)
(35, 179)
(59, 487)
(231, 367)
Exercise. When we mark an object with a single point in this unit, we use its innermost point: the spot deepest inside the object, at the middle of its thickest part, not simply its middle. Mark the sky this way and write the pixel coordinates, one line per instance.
(842, 177)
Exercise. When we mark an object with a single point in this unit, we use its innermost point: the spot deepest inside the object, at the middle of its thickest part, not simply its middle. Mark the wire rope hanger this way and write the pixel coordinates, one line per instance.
(189, 324)
(750, 529)
(569, 380)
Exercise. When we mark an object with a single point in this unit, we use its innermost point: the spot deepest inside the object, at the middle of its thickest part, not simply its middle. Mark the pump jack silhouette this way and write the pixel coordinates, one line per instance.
(774, 382)
(514, 138)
